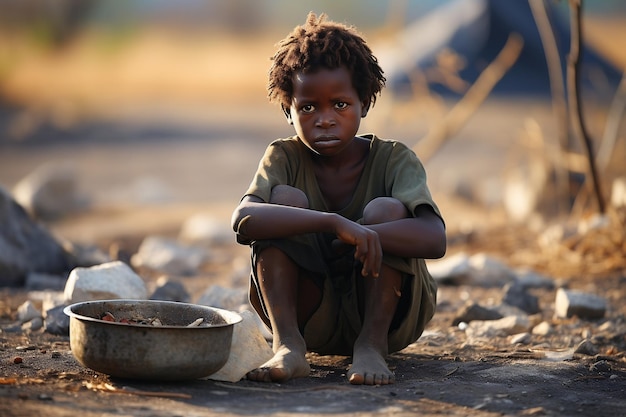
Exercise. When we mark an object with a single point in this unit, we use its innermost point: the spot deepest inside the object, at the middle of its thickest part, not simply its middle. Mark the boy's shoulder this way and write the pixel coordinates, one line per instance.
(380, 143)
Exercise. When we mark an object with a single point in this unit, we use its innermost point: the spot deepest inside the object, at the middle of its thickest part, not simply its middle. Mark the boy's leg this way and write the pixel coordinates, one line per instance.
(286, 299)
(380, 300)
(290, 299)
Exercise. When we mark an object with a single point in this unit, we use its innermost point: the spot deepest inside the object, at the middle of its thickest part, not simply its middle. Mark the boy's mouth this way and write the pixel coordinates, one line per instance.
(326, 141)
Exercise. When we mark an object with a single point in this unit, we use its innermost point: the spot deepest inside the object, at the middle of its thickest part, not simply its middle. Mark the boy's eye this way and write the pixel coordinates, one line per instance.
(341, 105)
(308, 108)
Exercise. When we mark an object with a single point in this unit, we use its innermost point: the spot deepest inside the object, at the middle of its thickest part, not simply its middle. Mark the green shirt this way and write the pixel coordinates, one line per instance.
(391, 170)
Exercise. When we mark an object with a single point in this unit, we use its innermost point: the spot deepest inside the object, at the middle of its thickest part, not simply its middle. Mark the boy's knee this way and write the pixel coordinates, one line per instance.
(383, 210)
(287, 195)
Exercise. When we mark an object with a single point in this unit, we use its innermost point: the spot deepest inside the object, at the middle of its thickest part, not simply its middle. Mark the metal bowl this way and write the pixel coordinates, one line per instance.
(171, 351)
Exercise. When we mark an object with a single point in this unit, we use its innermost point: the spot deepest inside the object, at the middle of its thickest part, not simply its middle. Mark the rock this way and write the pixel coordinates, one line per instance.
(521, 338)
(488, 271)
(111, 280)
(205, 229)
(33, 325)
(57, 322)
(571, 303)
(85, 255)
(27, 311)
(25, 245)
(586, 347)
(168, 290)
(600, 367)
(473, 311)
(50, 192)
(516, 295)
(542, 329)
(451, 269)
(221, 297)
(168, 256)
(506, 326)
(530, 279)
(479, 269)
(248, 350)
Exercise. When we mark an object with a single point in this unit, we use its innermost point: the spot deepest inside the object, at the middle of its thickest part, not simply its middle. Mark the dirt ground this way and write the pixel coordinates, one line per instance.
(147, 168)
(441, 374)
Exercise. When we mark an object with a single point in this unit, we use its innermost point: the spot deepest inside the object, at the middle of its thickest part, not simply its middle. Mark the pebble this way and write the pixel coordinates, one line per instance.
(586, 347)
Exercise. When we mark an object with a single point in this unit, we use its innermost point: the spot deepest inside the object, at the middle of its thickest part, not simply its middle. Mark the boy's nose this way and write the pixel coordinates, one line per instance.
(325, 119)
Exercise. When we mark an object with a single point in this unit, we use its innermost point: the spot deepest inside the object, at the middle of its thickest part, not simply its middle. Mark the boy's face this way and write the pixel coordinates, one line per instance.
(326, 110)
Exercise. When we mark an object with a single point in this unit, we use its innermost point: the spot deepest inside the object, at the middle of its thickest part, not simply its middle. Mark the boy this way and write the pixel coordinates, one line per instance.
(338, 224)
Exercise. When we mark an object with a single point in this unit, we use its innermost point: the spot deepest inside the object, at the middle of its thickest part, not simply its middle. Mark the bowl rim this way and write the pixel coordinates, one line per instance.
(230, 316)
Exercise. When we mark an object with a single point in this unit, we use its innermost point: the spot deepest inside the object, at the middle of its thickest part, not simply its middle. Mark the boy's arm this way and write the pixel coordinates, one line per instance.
(423, 236)
(256, 220)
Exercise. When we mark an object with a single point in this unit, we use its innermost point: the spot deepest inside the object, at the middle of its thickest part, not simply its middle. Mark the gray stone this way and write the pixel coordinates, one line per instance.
(473, 311)
(168, 290)
(571, 303)
(516, 295)
(50, 191)
(168, 256)
(25, 245)
(112, 280)
(586, 347)
(222, 297)
(27, 311)
(33, 325)
(479, 269)
(56, 321)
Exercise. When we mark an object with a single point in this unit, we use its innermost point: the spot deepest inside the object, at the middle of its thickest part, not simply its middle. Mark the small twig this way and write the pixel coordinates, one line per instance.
(475, 95)
(573, 80)
(559, 105)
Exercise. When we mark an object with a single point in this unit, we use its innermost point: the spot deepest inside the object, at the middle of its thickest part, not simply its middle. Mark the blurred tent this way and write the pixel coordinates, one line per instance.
(464, 36)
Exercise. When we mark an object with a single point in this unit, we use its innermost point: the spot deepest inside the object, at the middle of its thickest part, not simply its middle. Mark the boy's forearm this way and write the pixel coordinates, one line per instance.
(258, 221)
(412, 237)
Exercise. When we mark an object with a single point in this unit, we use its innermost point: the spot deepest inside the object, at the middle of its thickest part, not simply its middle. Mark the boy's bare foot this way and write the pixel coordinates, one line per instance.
(286, 364)
(369, 368)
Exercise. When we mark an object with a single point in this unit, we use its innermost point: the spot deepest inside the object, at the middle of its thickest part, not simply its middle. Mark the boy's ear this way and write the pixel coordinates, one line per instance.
(287, 113)
(365, 107)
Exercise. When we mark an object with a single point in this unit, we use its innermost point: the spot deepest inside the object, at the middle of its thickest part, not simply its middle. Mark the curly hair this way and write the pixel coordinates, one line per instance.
(321, 43)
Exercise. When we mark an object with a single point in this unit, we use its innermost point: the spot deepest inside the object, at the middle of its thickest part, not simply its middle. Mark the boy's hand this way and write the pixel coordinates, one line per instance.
(368, 249)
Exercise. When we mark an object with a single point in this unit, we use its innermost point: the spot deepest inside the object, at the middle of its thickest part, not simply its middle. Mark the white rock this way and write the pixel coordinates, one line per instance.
(248, 350)
(505, 326)
(112, 280)
(521, 338)
(488, 271)
(542, 329)
(206, 230)
(454, 267)
(168, 256)
(571, 303)
(479, 269)
(27, 311)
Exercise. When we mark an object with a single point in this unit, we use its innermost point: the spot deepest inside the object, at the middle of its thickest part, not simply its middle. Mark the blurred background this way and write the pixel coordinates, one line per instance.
(155, 102)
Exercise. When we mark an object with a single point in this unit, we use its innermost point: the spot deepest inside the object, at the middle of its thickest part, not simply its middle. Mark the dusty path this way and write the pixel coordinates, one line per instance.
(205, 169)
